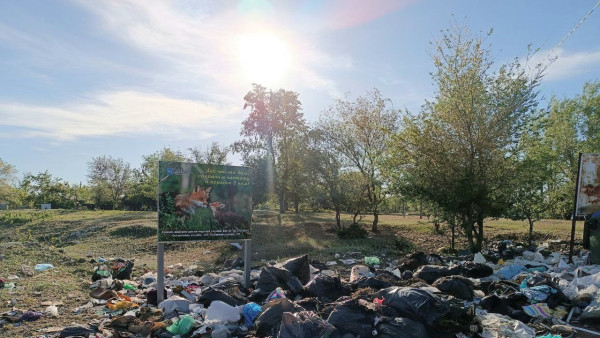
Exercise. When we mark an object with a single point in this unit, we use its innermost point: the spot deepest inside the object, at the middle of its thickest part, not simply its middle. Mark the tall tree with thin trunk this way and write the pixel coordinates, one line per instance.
(359, 131)
(462, 148)
(274, 124)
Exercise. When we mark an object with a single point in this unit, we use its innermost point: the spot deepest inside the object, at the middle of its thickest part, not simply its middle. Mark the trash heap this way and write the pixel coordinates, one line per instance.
(506, 291)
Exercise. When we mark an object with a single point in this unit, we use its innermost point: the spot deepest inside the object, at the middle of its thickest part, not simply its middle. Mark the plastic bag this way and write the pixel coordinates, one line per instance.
(251, 311)
(402, 328)
(304, 324)
(222, 312)
(207, 297)
(495, 325)
(350, 317)
(270, 278)
(299, 267)
(268, 321)
(182, 326)
(456, 286)
(327, 287)
(476, 270)
(430, 273)
(43, 267)
(415, 304)
(510, 271)
(372, 261)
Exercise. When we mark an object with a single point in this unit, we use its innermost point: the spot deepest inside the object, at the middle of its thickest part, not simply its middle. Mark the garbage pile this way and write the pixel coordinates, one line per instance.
(505, 291)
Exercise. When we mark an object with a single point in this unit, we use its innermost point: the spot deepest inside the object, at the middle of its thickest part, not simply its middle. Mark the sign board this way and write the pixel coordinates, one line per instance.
(588, 187)
(46, 206)
(203, 202)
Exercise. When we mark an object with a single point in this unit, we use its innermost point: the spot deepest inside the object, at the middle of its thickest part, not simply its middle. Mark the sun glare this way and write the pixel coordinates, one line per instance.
(264, 57)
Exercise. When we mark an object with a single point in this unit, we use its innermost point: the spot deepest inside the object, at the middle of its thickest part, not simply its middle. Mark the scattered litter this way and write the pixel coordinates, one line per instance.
(43, 267)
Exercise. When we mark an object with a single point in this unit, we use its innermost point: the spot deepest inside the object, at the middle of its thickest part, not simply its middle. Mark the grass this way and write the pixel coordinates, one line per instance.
(70, 239)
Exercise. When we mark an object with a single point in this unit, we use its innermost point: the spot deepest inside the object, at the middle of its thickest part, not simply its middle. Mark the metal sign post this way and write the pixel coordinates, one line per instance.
(246, 263)
(574, 221)
(160, 272)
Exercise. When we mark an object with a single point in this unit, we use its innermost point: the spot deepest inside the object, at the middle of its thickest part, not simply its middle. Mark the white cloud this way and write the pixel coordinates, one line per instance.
(124, 113)
(568, 64)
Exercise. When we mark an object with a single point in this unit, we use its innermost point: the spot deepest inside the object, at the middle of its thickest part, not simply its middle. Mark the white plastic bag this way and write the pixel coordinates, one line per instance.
(222, 312)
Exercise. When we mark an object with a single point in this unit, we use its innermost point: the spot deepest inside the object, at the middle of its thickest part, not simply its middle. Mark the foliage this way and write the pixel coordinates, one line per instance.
(359, 132)
(44, 188)
(461, 149)
(109, 176)
(215, 154)
(144, 188)
(273, 128)
(353, 231)
(570, 127)
(404, 245)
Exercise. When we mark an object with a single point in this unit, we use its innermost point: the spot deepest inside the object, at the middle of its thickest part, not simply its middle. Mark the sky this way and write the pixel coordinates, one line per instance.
(125, 78)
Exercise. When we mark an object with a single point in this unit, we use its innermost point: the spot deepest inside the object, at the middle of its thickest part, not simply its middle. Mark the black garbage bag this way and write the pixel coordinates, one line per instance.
(327, 287)
(510, 305)
(414, 261)
(402, 328)
(296, 286)
(350, 317)
(270, 278)
(211, 295)
(267, 323)
(415, 304)
(76, 331)
(457, 286)
(434, 259)
(299, 267)
(430, 273)
(152, 296)
(122, 269)
(476, 270)
(370, 282)
(304, 324)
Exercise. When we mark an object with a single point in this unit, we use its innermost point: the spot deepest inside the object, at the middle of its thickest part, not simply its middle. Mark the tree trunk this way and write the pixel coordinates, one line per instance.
(479, 233)
(338, 219)
(375, 221)
(420, 209)
(452, 227)
(296, 206)
(403, 209)
(281, 203)
(530, 230)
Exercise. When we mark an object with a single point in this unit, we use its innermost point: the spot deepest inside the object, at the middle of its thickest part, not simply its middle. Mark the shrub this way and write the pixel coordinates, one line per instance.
(354, 231)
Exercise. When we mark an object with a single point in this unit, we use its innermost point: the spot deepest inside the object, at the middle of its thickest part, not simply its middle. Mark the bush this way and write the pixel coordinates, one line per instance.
(404, 245)
(354, 231)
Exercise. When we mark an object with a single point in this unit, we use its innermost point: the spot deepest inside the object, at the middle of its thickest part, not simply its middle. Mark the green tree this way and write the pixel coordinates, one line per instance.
(274, 124)
(215, 154)
(109, 176)
(8, 193)
(570, 127)
(461, 149)
(44, 188)
(144, 186)
(360, 131)
(528, 200)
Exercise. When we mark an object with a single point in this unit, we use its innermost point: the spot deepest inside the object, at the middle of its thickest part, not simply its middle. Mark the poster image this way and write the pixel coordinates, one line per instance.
(203, 202)
(588, 194)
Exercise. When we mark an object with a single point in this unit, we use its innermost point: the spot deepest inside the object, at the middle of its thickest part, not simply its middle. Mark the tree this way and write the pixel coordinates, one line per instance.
(528, 200)
(461, 149)
(360, 131)
(570, 127)
(43, 188)
(144, 188)
(7, 181)
(275, 122)
(215, 154)
(324, 166)
(109, 176)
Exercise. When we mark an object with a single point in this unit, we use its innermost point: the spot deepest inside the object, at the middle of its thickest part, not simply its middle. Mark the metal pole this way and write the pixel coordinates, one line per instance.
(160, 272)
(247, 263)
(574, 221)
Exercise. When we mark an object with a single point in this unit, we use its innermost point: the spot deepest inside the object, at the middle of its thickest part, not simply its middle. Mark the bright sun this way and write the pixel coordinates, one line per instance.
(264, 57)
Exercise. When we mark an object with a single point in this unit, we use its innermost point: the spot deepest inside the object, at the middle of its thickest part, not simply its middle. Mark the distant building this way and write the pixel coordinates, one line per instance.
(47, 206)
